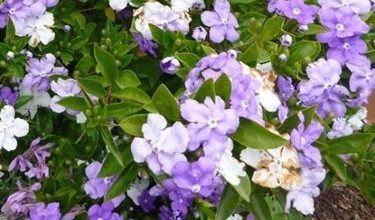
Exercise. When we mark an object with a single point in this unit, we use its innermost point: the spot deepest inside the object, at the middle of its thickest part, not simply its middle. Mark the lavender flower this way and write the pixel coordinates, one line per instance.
(8, 96)
(105, 211)
(340, 128)
(162, 146)
(199, 34)
(302, 139)
(285, 87)
(181, 199)
(222, 23)
(41, 211)
(147, 46)
(170, 65)
(208, 121)
(342, 23)
(18, 203)
(302, 198)
(39, 71)
(197, 177)
(362, 81)
(96, 187)
(296, 9)
(357, 6)
(322, 89)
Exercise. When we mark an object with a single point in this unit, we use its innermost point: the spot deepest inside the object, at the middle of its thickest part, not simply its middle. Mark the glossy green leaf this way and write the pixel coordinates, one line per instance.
(349, 144)
(110, 144)
(229, 201)
(166, 103)
(74, 103)
(292, 121)
(259, 207)
(132, 94)
(253, 135)
(133, 124)
(302, 50)
(244, 188)
(92, 87)
(188, 59)
(108, 64)
(123, 182)
(127, 78)
(123, 109)
(272, 28)
(223, 87)
(207, 89)
(111, 166)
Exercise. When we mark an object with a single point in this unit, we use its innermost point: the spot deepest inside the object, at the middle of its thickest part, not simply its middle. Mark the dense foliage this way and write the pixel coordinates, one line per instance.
(183, 109)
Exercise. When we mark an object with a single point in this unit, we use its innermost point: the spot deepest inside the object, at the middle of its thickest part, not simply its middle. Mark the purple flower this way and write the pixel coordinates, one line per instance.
(96, 187)
(39, 71)
(41, 211)
(165, 213)
(342, 23)
(8, 96)
(302, 139)
(302, 198)
(170, 65)
(362, 78)
(222, 23)
(357, 6)
(208, 121)
(162, 147)
(181, 199)
(147, 46)
(146, 201)
(297, 9)
(23, 162)
(105, 212)
(197, 177)
(63, 88)
(340, 128)
(285, 87)
(18, 203)
(199, 34)
(322, 88)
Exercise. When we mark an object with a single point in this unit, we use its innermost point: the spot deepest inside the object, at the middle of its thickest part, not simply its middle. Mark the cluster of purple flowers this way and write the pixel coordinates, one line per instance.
(294, 9)
(312, 171)
(244, 86)
(345, 27)
(30, 18)
(23, 162)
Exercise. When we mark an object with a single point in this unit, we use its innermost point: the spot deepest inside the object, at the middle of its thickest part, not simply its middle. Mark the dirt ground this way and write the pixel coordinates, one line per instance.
(343, 203)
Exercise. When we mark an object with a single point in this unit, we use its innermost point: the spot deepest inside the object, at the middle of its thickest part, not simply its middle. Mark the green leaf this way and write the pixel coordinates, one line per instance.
(303, 49)
(123, 109)
(272, 28)
(111, 146)
(93, 87)
(250, 54)
(259, 207)
(208, 50)
(133, 125)
(223, 87)
(127, 78)
(74, 103)
(110, 165)
(108, 64)
(229, 201)
(188, 59)
(253, 135)
(166, 103)
(337, 165)
(23, 100)
(157, 34)
(349, 144)
(123, 182)
(206, 89)
(244, 188)
(84, 64)
(292, 121)
(133, 94)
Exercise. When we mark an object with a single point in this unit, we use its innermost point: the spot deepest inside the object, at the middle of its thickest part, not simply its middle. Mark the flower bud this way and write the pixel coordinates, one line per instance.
(283, 57)
(303, 28)
(286, 40)
(67, 28)
(10, 55)
(170, 65)
(199, 34)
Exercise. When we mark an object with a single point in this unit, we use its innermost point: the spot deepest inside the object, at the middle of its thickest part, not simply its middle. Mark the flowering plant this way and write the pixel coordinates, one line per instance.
(183, 109)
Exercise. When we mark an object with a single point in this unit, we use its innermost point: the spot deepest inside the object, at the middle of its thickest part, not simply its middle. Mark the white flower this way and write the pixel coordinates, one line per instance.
(39, 99)
(358, 119)
(136, 189)
(235, 217)
(186, 5)
(264, 67)
(274, 167)
(10, 128)
(38, 28)
(269, 99)
(162, 16)
(231, 169)
(118, 5)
